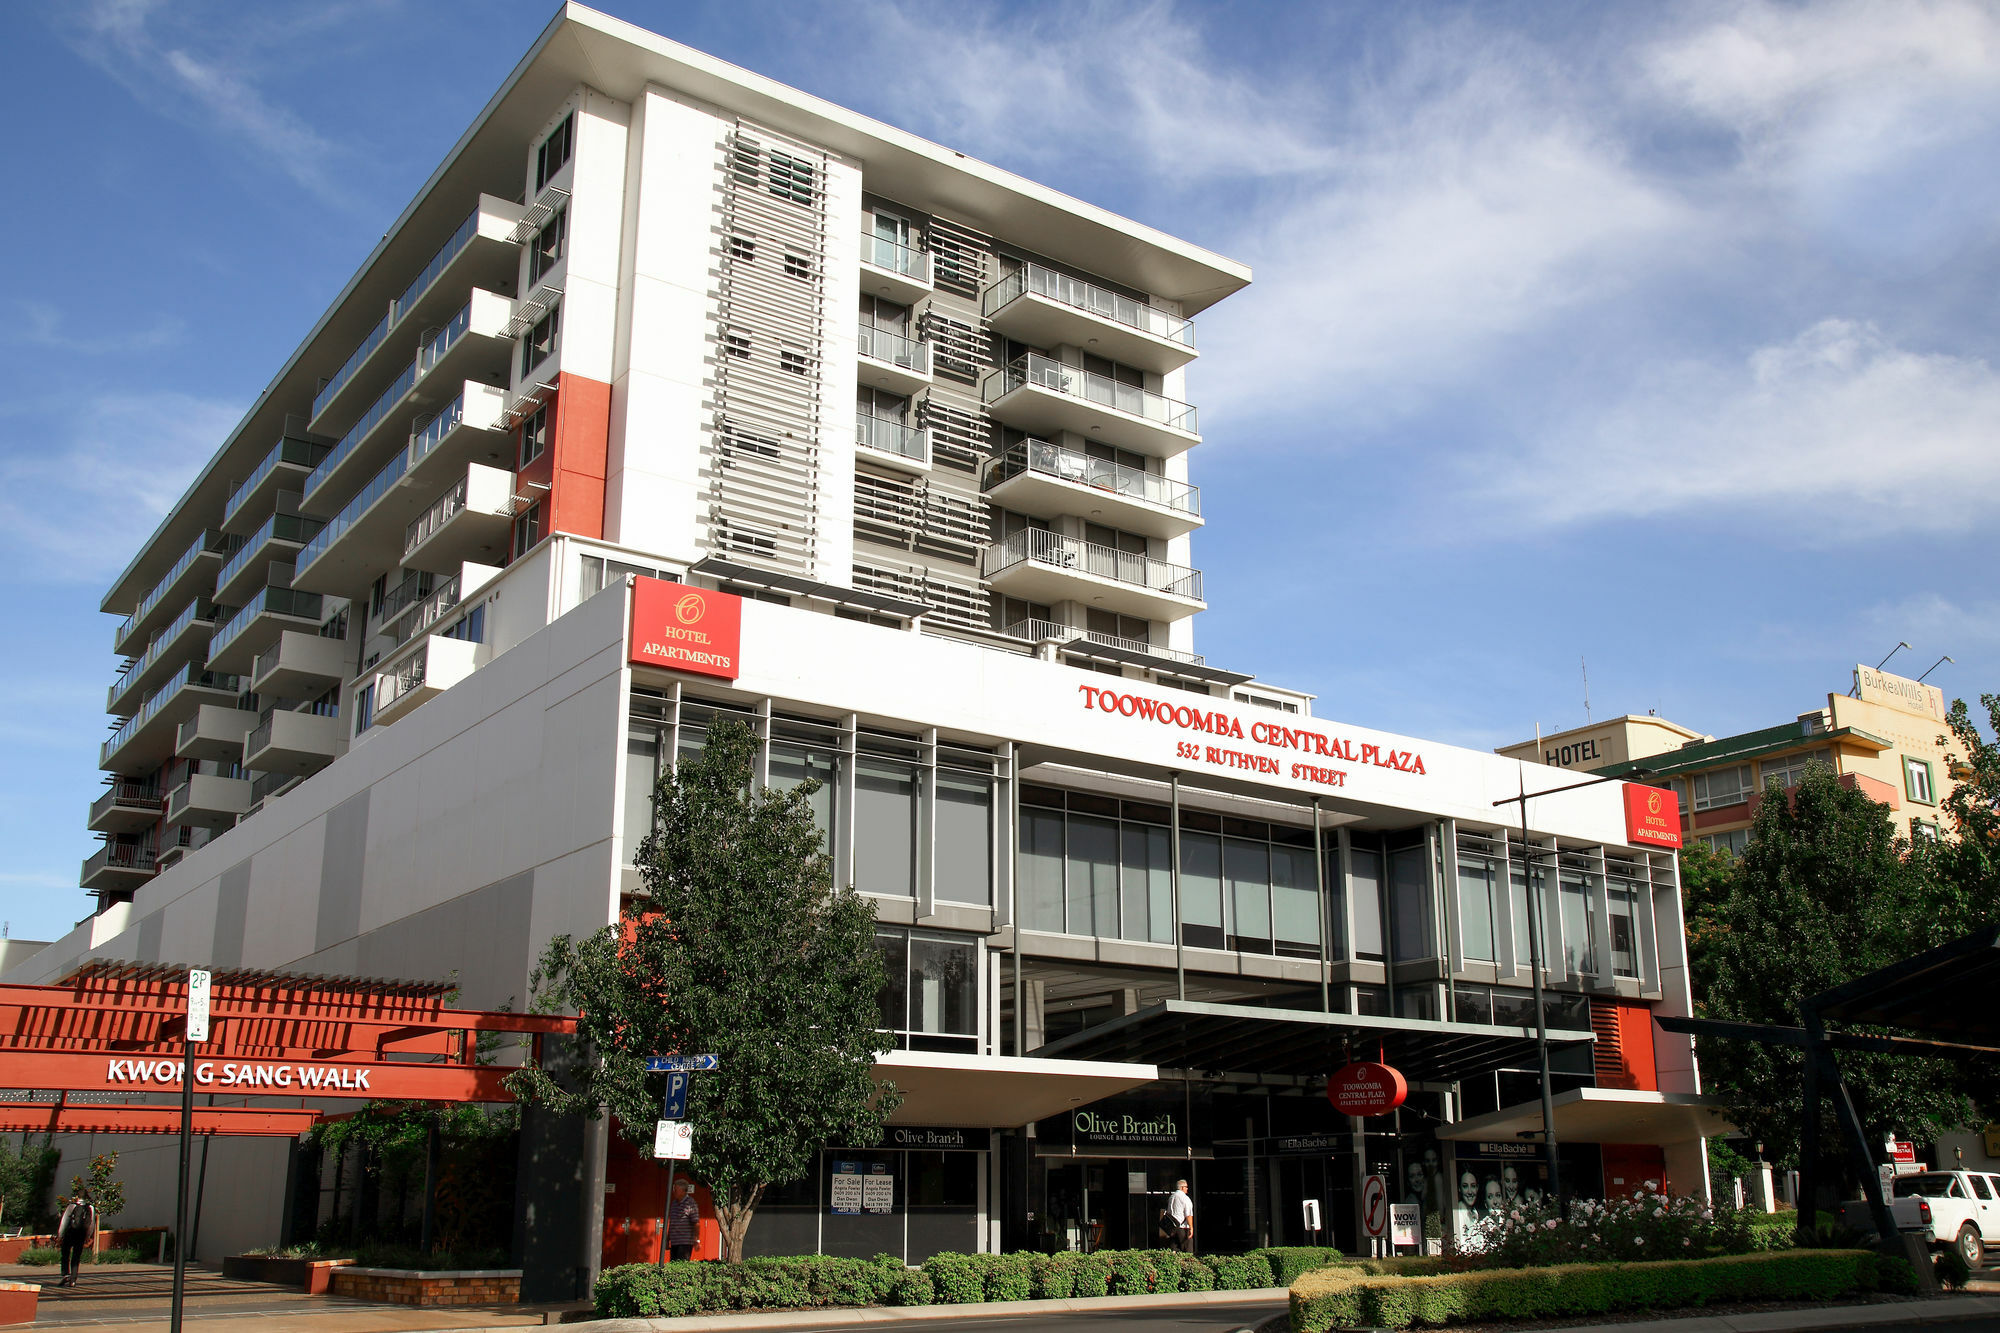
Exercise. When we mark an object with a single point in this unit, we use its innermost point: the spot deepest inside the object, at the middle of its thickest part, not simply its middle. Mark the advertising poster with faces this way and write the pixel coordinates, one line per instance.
(1494, 1177)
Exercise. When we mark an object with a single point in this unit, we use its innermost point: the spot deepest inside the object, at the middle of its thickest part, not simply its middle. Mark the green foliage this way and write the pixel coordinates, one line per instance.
(1289, 1261)
(1639, 1225)
(1055, 1276)
(912, 1287)
(957, 1279)
(1825, 892)
(1093, 1275)
(122, 1255)
(1242, 1272)
(26, 1177)
(768, 965)
(806, 1282)
(1196, 1275)
(1131, 1271)
(1774, 1231)
(106, 1193)
(40, 1257)
(1348, 1295)
(1951, 1269)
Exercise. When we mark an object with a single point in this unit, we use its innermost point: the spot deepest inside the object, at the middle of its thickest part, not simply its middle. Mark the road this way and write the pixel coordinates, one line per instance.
(1194, 1319)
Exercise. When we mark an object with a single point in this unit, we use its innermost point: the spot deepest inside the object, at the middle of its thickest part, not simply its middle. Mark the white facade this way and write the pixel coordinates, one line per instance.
(657, 317)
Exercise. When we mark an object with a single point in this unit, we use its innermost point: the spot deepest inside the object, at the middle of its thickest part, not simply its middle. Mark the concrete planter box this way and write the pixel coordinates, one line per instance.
(312, 1276)
(13, 1247)
(17, 1302)
(411, 1286)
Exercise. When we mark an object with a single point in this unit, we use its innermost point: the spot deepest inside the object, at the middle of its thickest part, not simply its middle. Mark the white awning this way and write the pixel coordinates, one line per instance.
(1601, 1115)
(999, 1092)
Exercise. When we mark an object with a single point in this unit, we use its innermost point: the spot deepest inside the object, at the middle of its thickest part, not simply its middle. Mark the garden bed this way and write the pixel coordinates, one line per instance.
(416, 1286)
(312, 1276)
(17, 1302)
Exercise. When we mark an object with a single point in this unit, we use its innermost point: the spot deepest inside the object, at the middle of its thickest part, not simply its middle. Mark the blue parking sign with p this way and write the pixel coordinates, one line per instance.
(674, 1105)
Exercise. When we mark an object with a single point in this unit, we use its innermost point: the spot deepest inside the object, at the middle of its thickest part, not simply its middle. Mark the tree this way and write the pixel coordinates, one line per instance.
(106, 1192)
(1706, 879)
(1824, 893)
(738, 944)
(1969, 856)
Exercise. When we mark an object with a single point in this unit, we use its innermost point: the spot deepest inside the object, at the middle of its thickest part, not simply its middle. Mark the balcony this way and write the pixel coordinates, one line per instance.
(118, 869)
(1043, 479)
(1041, 396)
(207, 801)
(257, 626)
(294, 744)
(214, 733)
(127, 807)
(193, 572)
(884, 441)
(418, 615)
(365, 540)
(895, 271)
(285, 468)
(481, 252)
(179, 840)
(300, 665)
(1043, 308)
(1049, 631)
(470, 521)
(279, 539)
(268, 787)
(891, 361)
(471, 345)
(1041, 566)
(186, 638)
(147, 738)
(431, 665)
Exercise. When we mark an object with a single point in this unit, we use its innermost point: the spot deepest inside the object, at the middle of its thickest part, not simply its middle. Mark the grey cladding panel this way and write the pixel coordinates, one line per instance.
(231, 903)
(341, 863)
(482, 935)
(149, 938)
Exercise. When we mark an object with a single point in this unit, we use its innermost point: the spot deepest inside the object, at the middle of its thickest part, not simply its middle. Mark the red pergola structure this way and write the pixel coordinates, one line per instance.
(113, 1027)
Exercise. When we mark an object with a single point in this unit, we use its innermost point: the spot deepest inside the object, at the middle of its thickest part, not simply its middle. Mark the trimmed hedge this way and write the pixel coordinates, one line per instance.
(1289, 1262)
(1352, 1295)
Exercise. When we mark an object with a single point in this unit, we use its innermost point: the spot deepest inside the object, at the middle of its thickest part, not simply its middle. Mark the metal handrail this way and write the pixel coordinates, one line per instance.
(1071, 465)
(1075, 382)
(895, 256)
(892, 437)
(1033, 279)
(911, 354)
(1082, 557)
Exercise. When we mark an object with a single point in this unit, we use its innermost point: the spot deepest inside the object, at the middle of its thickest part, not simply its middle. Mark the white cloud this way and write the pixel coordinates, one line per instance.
(42, 325)
(71, 506)
(1881, 437)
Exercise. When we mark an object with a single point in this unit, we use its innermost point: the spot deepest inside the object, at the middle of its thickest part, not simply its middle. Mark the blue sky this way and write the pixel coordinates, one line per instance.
(1657, 337)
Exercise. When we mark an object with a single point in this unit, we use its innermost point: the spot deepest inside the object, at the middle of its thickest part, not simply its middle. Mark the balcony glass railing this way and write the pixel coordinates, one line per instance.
(201, 611)
(180, 680)
(354, 363)
(1082, 557)
(896, 257)
(338, 525)
(414, 587)
(302, 453)
(278, 527)
(204, 544)
(1046, 373)
(446, 253)
(401, 678)
(443, 340)
(892, 437)
(442, 511)
(361, 429)
(1033, 279)
(271, 601)
(434, 431)
(894, 348)
(432, 609)
(1052, 460)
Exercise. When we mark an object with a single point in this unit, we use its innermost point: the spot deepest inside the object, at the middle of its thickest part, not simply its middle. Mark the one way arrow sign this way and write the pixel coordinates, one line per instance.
(693, 1064)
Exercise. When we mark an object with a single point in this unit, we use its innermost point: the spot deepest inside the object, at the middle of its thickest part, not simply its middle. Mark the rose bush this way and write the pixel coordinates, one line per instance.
(1643, 1225)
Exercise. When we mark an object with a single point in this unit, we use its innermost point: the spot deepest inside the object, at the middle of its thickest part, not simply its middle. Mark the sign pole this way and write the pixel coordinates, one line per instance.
(1534, 900)
(667, 1213)
(194, 1029)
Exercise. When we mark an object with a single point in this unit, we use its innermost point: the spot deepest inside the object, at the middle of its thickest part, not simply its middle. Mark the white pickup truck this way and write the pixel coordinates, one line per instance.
(1960, 1208)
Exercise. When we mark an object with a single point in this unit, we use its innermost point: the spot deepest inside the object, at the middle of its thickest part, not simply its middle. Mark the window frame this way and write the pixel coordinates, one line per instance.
(542, 341)
(535, 432)
(545, 170)
(543, 257)
(1911, 765)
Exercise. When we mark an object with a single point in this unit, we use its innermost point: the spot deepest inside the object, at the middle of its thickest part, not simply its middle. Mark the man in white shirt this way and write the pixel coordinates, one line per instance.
(1180, 1214)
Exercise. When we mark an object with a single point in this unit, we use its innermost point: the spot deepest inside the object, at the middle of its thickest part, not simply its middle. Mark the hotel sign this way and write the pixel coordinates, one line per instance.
(696, 630)
(1652, 816)
(1911, 696)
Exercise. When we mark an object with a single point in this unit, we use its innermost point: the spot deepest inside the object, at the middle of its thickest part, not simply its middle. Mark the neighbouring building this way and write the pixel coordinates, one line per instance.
(677, 395)
(1885, 737)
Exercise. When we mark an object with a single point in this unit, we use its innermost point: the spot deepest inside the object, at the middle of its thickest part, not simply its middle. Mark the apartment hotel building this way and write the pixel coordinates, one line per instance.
(678, 395)
(1885, 737)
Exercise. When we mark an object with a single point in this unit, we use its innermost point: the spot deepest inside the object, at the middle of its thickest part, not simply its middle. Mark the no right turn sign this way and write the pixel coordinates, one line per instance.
(1375, 1206)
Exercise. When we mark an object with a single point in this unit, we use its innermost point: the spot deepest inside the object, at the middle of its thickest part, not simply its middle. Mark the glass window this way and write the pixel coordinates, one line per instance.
(554, 152)
(1624, 902)
(1410, 888)
(895, 947)
(1725, 786)
(1513, 1008)
(1040, 870)
(1372, 1001)
(1146, 885)
(1365, 876)
(1247, 865)
(1734, 842)
(547, 250)
(1092, 882)
(1579, 945)
(1980, 1187)
(540, 341)
(885, 826)
(1418, 1002)
(793, 763)
(642, 757)
(1528, 940)
(1476, 881)
(528, 528)
(1786, 772)
(1201, 890)
(944, 986)
(1295, 909)
(965, 837)
(535, 435)
(1474, 1004)
(1917, 780)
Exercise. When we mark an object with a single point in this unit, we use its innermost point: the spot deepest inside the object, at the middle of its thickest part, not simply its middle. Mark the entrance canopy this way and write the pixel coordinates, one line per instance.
(993, 1092)
(1939, 993)
(1246, 1039)
(63, 1116)
(1601, 1115)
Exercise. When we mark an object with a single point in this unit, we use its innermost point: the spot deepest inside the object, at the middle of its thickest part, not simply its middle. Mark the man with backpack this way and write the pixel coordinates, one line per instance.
(74, 1234)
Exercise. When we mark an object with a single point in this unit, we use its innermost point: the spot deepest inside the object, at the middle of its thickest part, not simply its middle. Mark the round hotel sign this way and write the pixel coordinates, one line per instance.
(1366, 1089)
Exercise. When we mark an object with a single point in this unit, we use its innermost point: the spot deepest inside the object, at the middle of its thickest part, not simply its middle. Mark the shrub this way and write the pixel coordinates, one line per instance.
(1241, 1272)
(1638, 1226)
(1093, 1275)
(1131, 1272)
(1774, 1231)
(124, 1255)
(912, 1287)
(40, 1257)
(1196, 1275)
(1054, 1276)
(1349, 1295)
(1289, 1261)
(955, 1279)
(1951, 1269)
(1009, 1277)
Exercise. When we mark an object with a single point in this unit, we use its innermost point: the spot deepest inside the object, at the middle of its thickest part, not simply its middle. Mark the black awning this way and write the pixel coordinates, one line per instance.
(858, 599)
(1941, 993)
(1246, 1039)
(1082, 646)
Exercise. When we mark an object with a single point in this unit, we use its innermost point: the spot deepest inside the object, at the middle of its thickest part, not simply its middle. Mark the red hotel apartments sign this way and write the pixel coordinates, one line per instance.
(1652, 816)
(686, 629)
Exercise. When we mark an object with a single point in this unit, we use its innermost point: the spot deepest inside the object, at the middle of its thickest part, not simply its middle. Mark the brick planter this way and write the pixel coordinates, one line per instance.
(312, 1276)
(411, 1286)
(13, 1247)
(17, 1302)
